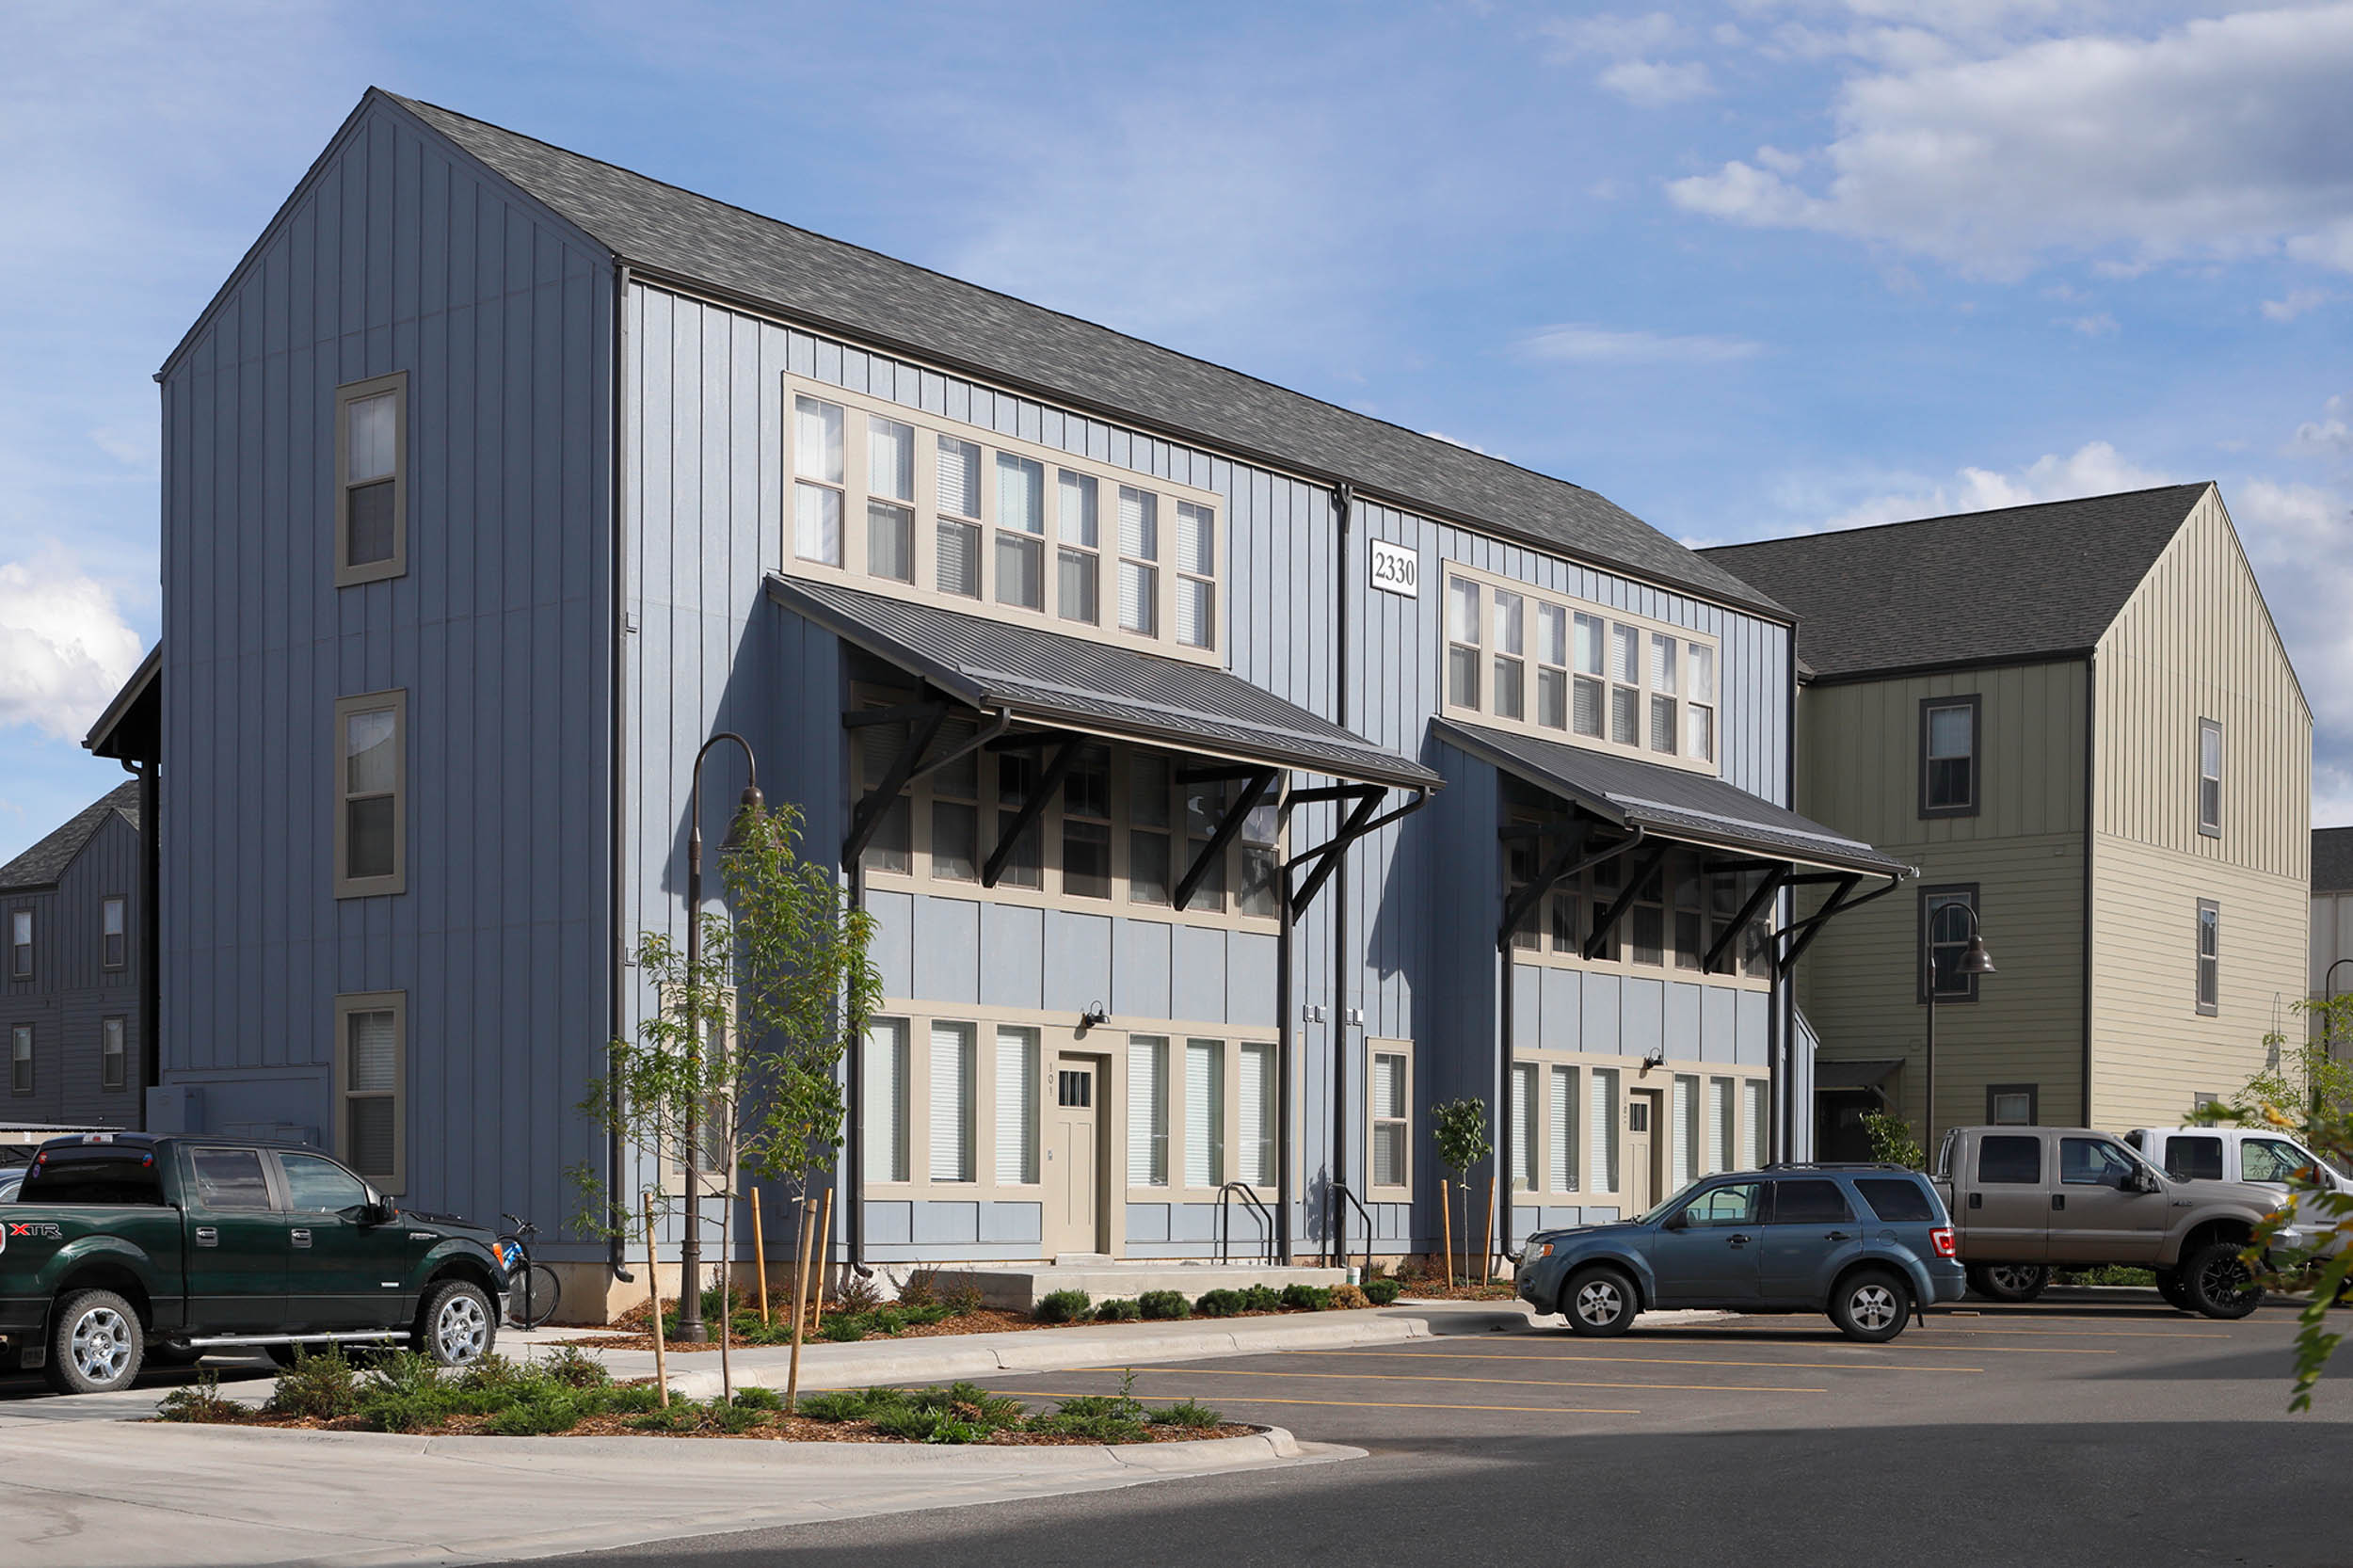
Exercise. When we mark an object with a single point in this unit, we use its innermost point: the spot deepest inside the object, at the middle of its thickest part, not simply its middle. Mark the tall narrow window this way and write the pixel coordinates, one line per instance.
(20, 1059)
(818, 494)
(955, 805)
(371, 480)
(114, 932)
(371, 773)
(1684, 1142)
(889, 499)
(2210, 778)
(1020, 531)
(1086, 825)
(1196, 575)
(1944, 914)
(1258, 1088)
(1205, 1112)
(1753, 1092)
(1720, 1144)
(1552, 673)
(1646, 924)
(21, 944)
(1149, 874)
(1948, 756)
(1560, 1119)
(1205, 808)
(1511, 662)
(1462, 633)
(1665, 685)
(957, 565)
(1017, 1106)
(371, 1054)
(1602, 1092)
(1699, 707)
(1147, 1110)
(1079, 565)
(951, 1102)
(1255, 894)
(1017, 775)
(1139, 555)
(1527, 1128)
(892, 847)
(1392, 1104)
(111, 1053)
(887, 1081)
(1690, 921)
(1585, 637)
(2209, 956)
(1625, 685)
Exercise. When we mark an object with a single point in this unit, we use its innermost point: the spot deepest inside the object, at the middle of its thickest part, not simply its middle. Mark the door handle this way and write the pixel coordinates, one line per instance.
(1737, 1240)
(1837, 1236)
(302, 1237)
(1977, 1200)
(2058, 1200)
(207, 1237)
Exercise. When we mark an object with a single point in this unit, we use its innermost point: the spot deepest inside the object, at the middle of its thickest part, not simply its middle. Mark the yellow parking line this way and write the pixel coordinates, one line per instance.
(2095, 1333)
(1515, 1383)
(1670, 1360)
(1368, 1404)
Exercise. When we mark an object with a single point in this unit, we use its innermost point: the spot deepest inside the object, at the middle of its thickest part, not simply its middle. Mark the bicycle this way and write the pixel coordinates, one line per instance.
(531, 1288)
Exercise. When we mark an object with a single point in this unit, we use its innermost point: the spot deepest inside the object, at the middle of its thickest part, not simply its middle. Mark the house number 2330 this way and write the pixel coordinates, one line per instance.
(1395, 568)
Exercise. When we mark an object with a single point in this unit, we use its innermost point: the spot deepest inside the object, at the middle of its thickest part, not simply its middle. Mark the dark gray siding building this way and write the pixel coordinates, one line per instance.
(70, 974)
(499, 480)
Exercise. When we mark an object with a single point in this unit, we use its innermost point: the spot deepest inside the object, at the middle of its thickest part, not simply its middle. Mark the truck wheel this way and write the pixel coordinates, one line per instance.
(1870, 1305)
(2218, 1282)
(2009, 1282)
(1599, 1303)
(2169, 1286)
(455, 1325)
(96, 1343)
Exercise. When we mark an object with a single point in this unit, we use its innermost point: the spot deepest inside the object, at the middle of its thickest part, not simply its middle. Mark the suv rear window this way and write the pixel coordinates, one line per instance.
(117, 1176)
(1808, 1202)
(2016, 1161)
(1894, 1198)
(2193, 1158)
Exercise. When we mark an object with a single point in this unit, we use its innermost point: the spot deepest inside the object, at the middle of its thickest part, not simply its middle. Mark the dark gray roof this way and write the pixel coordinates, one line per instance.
(1672, 802)
(2333, 859)
(897, 305)
(1973, 588)
(41, 865)
(1046, 678)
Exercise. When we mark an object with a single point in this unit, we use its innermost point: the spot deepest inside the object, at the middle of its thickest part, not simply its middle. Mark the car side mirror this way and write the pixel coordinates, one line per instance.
(1676, 1221)
(2145, 1180)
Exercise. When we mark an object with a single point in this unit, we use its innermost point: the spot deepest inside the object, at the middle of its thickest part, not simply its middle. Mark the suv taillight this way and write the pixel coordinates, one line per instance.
(1942, 1239)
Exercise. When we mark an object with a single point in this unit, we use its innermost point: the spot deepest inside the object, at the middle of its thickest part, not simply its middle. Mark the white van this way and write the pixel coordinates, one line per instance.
(2243, 1154)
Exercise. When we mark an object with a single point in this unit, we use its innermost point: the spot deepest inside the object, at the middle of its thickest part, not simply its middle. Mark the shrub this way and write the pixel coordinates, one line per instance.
(321, 1388)
(1262, 1298)
(925, 1426)
(1099, 1417)
(1219, 1304)
(1306, 1298)
(1164, 1304)
(548, 1408)
(1064, 1306)
(575, 1368)
(857, 1294)
(1349, 1296)
(1382, 1292)
(199, 1400)
(1187, 1413)
(845, 1405)
(740, 1415)
(845, 1328)
(1120, 1311)
(960, 1295)
(759, 1398)
(490, 1374)
(629, 1399)
(682, 1416)
(921, 1288)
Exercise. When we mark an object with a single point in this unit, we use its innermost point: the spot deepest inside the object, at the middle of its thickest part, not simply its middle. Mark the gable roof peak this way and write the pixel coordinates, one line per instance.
(46, 861)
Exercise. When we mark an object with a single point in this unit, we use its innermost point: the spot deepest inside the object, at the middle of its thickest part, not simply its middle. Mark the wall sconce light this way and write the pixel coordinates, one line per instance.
(1096, 1013)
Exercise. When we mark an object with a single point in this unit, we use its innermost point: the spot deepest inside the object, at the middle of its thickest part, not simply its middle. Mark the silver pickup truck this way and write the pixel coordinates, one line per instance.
(2025, 1200)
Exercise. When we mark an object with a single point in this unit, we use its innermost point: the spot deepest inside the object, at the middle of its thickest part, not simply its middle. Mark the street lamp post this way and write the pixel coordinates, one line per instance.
(1974, 961)
(2328, 1023)
(689, 1300)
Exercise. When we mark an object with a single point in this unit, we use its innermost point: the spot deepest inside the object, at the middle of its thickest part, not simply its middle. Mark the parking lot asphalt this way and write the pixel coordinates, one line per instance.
(2082, 1429)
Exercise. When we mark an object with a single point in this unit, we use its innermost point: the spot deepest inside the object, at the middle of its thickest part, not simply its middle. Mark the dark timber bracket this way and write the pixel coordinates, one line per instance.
(1804, 931)
(1260, 781)
(922, 720)
(1724, 940)
(1049, 785)
(1324, 859)
(1624, 901)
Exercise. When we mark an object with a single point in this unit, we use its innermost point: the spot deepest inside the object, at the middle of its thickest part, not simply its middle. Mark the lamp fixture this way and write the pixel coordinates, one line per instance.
(1096, 1013)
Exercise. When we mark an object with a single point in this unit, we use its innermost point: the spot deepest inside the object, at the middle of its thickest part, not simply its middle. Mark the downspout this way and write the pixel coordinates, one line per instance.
(151, 923)
(1335, 1227)
(852, 1178)
(1282, 1069)
(1781, 1011)
(615, 1152)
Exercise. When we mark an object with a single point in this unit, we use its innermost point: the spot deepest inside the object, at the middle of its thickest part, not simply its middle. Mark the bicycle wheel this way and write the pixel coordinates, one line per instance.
(532, 1292)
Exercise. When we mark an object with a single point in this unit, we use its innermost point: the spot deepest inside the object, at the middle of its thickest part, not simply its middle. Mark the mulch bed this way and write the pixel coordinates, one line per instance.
(779, 1428)
(1438, 1290)
(636, 1333)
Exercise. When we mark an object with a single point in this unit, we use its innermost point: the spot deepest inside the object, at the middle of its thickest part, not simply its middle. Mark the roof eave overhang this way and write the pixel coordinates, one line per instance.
(1947, 666)
(101, 739)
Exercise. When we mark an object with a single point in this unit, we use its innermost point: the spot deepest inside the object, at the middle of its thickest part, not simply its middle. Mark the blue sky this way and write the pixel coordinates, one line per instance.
(1748, 269)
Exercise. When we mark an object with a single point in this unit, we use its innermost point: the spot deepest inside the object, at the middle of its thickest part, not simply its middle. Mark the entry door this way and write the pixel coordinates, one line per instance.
(1641, 1151)
(1073, 1157)
(236, 1244)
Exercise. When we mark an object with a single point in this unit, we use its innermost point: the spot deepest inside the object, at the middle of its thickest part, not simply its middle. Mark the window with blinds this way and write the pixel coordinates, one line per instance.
(1147, 1110)
(1258, 1087)
(1685, 1140)
(1719, 1146)
(1527, 1131)
(1205, 1112)
(886, 1094)
(952, 1078)
(1602, 1095)
(1017, 1106)
(1560, 1145)
(1392, 1121)
(370, 1053)
(1753, 1122)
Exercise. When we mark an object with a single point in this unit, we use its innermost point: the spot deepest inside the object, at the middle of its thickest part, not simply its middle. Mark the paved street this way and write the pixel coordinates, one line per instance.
(2085, 1430)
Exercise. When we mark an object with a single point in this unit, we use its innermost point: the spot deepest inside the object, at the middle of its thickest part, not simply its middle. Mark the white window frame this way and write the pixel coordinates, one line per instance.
(885, 1142)
(114, 1052)
(395, 565)
(346, 1006)
(1149, 1118)
(1377, 1118)
(21, 1059)
(339, 795)
(114, 947)
(2210, 778)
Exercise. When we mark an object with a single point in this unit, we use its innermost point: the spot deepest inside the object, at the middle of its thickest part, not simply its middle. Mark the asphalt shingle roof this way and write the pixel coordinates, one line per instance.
(1975, 588)
(2333, 859)
(41, 865)
(1046, 676)
(895, 304)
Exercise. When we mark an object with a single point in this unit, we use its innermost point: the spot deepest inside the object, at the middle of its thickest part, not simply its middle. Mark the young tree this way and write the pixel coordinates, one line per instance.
(749, 1042)
(1459, 1130)
(1892, 1141)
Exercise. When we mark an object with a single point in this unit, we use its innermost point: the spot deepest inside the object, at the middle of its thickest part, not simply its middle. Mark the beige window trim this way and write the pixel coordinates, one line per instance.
(1377, 1117)
(114, 1051)
(347, 1005)
(854, 489)
(1631, 1077)
(340, 796)
(396, 564)
(21, 1059)
(120, 958)
(1657, 646)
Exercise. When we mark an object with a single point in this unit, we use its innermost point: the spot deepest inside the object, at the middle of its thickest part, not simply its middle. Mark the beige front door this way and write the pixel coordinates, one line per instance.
(1074, 1206)
(1642, 1156)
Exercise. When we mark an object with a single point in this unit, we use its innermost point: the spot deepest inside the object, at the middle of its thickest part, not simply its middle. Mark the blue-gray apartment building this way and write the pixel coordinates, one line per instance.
(1233, 777)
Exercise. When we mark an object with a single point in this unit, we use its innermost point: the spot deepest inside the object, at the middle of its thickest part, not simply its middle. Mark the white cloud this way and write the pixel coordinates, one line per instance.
(1618, 36)
(2326, 434)
(2220, 137)
(1576, 342)
(1467, 446)
(2098, 326)
(2094, 469)
(1655, 84)
(2296, 304)
(64, 647)
(2299, 538)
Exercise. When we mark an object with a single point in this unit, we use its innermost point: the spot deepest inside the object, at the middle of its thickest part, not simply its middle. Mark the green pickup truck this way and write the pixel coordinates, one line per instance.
(124, 1246)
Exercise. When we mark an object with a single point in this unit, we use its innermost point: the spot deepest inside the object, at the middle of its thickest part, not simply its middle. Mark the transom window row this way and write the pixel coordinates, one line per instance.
(1678, 912)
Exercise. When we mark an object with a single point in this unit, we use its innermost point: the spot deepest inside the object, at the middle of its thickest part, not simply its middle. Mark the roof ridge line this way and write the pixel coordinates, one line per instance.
(1954, 517)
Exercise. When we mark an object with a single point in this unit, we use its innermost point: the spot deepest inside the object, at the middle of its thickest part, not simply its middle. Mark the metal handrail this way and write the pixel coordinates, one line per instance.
(1364, 1213)
(1225, 1211)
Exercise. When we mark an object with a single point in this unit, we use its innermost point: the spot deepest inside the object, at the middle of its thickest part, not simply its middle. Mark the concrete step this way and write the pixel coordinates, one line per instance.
(1021, 1287)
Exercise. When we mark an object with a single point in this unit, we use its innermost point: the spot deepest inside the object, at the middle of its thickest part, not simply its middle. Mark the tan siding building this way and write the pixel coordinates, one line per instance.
(2077, 721)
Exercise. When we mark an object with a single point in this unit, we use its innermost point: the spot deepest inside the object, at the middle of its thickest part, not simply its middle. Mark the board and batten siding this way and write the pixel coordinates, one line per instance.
(2333, 942)
(2195, 641)
(1859, 771)
(397, 254)
(72, 991)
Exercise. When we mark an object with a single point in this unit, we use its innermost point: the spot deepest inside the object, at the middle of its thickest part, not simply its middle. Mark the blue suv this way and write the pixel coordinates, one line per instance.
(1865, 1243)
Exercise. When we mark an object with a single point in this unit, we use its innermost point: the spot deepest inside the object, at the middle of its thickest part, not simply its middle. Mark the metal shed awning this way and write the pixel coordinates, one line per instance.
(1668, 802)
(1044, 678)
